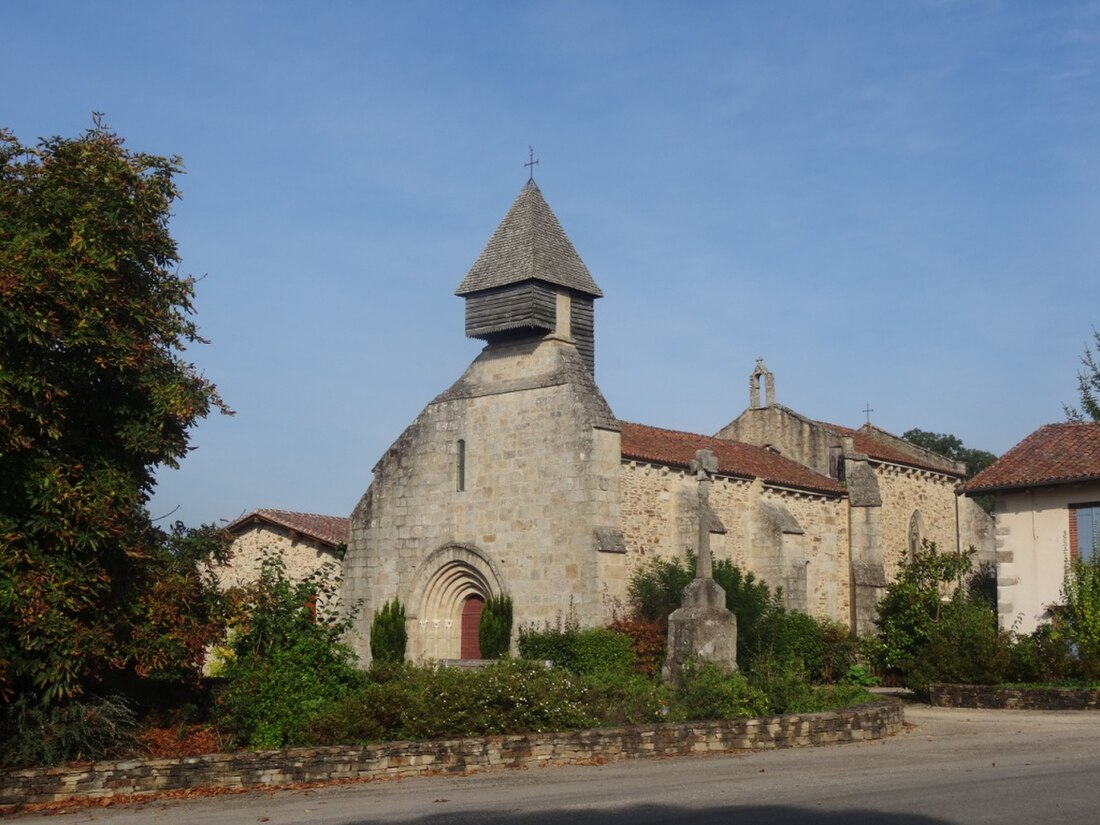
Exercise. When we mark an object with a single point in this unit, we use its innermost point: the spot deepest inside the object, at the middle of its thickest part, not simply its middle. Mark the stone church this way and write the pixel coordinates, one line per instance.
(519, 479)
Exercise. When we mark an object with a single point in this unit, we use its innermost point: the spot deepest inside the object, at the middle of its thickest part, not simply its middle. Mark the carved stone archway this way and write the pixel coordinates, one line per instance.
(445, 581)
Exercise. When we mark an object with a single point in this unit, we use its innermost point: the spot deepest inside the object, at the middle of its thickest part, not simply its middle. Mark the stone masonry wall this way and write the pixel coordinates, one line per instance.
(1014, 698)
(302, 556)
(819, 555)
(659, 512)
(794, 436)
(459, 756)
(904, 491)
(537, 503)
(798, 541)
(977, 530)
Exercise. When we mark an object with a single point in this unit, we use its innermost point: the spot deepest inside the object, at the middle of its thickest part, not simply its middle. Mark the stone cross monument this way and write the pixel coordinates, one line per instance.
(704, 465)
(703, 629)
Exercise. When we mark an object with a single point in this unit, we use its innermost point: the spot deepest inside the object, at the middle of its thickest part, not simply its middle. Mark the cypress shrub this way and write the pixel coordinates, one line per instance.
(387, 633)
(494, 630)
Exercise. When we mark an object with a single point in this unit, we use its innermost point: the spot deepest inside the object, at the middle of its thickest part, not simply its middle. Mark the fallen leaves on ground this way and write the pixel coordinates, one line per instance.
(176, 742)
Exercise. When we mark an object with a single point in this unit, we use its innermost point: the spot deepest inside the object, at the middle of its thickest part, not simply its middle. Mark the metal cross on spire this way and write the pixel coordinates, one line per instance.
(867, 411)
(531, 163)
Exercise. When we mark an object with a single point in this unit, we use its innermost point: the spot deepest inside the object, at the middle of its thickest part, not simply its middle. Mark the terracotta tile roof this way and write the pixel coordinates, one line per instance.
(644, 443)
(1053, 454)
(529, 244)
(331, 530)
(864, 442)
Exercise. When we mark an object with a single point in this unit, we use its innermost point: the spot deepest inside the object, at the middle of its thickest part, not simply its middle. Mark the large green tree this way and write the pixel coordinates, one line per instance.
(1088, 385)
(94, 396)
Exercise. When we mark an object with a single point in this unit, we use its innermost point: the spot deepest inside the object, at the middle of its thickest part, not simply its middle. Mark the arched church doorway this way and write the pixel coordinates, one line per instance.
(445, 602)
(471, 618)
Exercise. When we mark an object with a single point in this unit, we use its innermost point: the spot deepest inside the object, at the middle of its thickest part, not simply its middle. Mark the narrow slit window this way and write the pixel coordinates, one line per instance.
(460, 480)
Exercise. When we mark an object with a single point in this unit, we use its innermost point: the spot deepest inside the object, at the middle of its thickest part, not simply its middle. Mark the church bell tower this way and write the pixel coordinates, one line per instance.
(530, 282)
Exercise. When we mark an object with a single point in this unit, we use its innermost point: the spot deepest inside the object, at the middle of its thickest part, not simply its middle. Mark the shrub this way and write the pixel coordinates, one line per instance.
(839, 652)
(860, 675)
(514, 696)
(510, 696)
(656, 590)
(600, 651)
(766, 631)
(830, 697)
(933, 629)
(707, 691)
(1078, 623)
(787, 688)
(494, 630)
(911, 608)
(388, 636)
(648, 642)
(550, 644)
(963, 646)
(782, 681)
(288, 661)
(632, 700)
(36, 733)
(595, 651)
(1043, 656)
(821, 648)
(755, 606)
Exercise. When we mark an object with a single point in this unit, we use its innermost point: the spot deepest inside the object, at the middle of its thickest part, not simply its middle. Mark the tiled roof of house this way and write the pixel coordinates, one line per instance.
(864, 441)
(1053, 454)
(331, 530)
(529, 244)
(643, 443)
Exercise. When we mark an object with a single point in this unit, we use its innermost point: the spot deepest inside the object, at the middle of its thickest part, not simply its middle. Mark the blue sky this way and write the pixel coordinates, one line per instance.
(891, 202)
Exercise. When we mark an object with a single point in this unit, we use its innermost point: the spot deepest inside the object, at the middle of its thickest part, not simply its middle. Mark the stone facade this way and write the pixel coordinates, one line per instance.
(528, 510)
(520, 480)
(797, 540)
(898, 493)
(917, 505)
(305, 541)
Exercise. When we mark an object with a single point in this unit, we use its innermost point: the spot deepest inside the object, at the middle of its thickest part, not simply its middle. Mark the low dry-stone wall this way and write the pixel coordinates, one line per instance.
(1014, 698)
(404, 759)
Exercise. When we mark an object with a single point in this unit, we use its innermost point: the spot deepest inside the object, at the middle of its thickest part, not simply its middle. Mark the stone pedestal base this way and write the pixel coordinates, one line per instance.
(702, 630)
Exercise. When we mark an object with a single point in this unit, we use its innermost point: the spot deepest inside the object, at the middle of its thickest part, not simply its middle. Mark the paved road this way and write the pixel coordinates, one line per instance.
(949, 766)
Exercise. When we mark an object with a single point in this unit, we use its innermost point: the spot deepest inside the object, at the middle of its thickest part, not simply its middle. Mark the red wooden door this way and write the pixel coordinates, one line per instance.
(471, 615)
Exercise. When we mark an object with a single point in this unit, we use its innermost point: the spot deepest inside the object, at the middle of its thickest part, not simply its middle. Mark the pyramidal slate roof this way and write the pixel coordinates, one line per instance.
(529, 244)
(1053, 454)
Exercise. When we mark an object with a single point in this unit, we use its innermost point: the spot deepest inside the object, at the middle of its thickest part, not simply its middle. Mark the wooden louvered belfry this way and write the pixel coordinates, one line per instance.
(530, 281)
